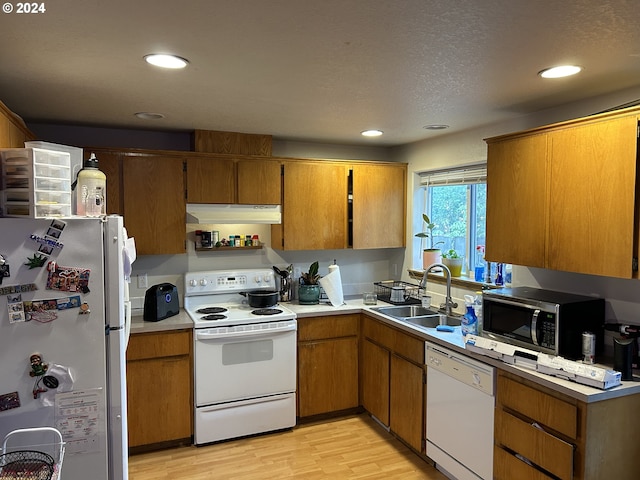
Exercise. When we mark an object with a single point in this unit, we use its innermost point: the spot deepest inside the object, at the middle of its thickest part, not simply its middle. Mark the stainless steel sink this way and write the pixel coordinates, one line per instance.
(404, 311)
(418, 315)
(433, 321)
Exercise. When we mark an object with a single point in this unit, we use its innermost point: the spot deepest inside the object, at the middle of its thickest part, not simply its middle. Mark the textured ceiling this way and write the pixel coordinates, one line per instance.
(314, 71)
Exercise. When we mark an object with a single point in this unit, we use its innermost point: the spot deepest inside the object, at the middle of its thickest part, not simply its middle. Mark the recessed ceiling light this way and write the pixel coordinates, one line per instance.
(166, 61)
(371, 133)
(149, 115)
(436, 127)
(560, 71)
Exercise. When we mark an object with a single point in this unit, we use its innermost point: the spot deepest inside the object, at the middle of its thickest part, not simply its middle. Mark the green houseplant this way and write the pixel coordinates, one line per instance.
(432, 254)
(453, 261)
(309, 290)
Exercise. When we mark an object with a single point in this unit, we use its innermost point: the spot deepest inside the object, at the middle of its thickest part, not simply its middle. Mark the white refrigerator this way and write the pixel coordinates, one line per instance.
(63, 335)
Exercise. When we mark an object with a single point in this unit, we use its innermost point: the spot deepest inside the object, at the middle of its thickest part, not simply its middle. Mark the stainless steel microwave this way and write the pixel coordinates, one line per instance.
(542, 320)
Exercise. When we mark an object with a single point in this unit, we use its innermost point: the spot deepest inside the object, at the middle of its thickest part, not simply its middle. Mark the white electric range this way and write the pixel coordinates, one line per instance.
(244, 357)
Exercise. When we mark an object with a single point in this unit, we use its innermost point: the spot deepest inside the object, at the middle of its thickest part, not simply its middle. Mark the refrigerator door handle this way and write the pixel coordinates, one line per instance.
(127, 323)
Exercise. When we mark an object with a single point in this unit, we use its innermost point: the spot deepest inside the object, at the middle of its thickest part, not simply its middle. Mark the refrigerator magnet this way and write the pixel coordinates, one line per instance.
(38, 369)
(47, 241)
(43, 311)
(9, 401)
(16, 308)
(36, 261)
(68, 279)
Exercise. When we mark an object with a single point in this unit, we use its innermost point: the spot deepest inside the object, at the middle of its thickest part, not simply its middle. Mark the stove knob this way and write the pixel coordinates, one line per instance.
(203, 282)
(258, 279)
(193, 282)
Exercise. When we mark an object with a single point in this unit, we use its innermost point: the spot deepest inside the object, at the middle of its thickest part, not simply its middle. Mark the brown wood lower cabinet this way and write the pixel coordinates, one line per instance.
(327, 364)
(374, 380)
(159, 388)
(562, 437)
(392, 377)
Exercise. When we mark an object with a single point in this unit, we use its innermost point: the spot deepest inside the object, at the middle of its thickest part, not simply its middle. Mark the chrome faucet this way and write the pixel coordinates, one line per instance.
(448, 302)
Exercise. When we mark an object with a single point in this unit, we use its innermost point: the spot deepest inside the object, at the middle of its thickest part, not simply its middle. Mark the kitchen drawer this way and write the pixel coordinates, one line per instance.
(507, 467)
(549, 452)
(404, 344)
(335, 326)
(547, 410)
(155, 345)
(377, 331)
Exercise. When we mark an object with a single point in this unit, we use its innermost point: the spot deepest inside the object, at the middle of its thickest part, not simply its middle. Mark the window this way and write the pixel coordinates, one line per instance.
(455, 201)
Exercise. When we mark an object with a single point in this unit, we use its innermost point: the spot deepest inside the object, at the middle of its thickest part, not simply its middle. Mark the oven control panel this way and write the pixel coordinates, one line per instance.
(221, 281)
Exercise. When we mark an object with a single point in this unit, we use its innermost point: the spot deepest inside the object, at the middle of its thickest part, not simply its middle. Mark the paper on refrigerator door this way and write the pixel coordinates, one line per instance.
(128, 254)
(332, 284)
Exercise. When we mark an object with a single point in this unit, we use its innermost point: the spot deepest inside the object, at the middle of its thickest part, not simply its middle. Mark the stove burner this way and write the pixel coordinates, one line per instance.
(267, 311)
(214, 317)
(211, 310)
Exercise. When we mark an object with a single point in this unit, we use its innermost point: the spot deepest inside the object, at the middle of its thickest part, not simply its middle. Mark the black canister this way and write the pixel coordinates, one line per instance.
(623, 357)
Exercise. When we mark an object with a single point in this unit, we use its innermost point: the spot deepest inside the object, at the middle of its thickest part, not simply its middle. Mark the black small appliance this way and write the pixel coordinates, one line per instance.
(160, 302)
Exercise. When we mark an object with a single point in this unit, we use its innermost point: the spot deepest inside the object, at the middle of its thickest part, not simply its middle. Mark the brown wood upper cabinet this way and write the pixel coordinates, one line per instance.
(233, 179)
(314, 215)
(146, 187)
(564, 197)
(153, 198)
(379, 205)
(13, 133)
(337, 205)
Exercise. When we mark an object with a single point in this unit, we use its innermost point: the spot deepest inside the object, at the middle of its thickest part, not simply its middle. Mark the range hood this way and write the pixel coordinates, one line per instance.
(217, 213)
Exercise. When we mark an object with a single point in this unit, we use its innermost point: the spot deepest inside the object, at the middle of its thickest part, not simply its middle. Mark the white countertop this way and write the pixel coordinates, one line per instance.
(453, 340)
(177, 322)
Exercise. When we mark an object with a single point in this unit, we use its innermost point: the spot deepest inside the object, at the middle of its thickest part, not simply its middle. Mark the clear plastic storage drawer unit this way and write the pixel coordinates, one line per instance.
(35, 183)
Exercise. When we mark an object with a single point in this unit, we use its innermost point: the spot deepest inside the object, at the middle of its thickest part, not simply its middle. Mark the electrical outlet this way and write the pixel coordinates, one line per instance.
(142, 281)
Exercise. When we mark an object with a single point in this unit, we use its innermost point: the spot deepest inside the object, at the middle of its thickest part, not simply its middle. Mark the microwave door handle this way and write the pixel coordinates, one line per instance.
(534, 326)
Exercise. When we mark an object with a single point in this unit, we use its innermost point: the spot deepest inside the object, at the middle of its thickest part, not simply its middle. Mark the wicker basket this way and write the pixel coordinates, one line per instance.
(26, 465)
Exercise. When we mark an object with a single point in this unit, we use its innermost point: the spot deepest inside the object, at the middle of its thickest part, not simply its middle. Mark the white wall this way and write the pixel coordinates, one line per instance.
(358, 268)
(623, 296)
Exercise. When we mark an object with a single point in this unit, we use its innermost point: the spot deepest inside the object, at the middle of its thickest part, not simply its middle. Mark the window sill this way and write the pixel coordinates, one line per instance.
(463, 281)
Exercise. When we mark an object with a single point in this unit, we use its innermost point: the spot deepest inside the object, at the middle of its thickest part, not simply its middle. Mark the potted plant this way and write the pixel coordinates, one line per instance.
(453, 261)
(309, 290)
(432, 254)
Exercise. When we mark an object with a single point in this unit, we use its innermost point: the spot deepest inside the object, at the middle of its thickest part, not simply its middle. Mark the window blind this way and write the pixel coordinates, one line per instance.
(455, 176)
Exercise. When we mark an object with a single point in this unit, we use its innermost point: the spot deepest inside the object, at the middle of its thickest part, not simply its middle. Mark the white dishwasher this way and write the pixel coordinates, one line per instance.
(460, 410)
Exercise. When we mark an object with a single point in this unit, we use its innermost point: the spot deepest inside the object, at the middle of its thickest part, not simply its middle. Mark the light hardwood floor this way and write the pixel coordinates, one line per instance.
(353, 447)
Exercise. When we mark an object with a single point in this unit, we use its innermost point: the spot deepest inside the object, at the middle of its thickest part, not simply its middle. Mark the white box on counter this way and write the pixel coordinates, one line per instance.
(578, 372)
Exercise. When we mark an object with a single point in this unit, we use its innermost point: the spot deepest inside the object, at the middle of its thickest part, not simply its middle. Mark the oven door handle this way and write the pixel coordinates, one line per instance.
(262, 332)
